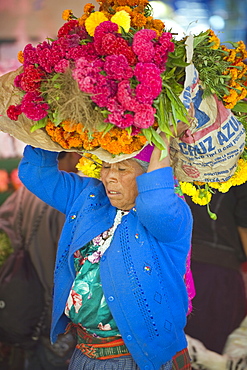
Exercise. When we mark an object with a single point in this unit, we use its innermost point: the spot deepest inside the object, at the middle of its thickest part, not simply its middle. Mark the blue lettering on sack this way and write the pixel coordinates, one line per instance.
(230, 129)
(206, 146)
(201, 116)
(186, 98)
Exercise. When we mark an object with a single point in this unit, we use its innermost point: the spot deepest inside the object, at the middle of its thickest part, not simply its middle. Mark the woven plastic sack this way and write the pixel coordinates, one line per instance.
(209, 150)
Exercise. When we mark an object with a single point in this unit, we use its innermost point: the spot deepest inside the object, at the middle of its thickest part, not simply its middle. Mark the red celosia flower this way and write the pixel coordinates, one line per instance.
(71, 27)
(14, 111)
(114, 45)
(31, 78)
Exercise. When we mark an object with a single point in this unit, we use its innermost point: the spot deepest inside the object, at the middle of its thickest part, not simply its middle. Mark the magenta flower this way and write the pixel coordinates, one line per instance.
(30, 55)
(162, 48)
(120, 120)
(87, 51)
(143, 46)
(62, 66)
(117, 67)
(126, 96)
(17, 80)
(144, 117)
(34, 107)
(103, 90)
(65, 43)
(151, 82)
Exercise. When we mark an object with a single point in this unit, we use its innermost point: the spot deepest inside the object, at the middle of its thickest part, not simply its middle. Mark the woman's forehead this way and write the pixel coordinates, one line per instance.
(125, 162)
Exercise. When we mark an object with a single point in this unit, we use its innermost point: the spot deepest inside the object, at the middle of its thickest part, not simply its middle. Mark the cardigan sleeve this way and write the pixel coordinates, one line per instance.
(38, 170)
(166, 216)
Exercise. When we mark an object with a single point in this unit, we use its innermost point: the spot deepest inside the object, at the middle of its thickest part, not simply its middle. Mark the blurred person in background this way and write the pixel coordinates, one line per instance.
(219, 248)
(42, 250)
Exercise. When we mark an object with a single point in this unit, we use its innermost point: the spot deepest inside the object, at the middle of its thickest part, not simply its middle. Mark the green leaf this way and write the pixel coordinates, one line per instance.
(107, 128)
(181, 112)
(177, 62)
(157, 140)
(163, 154)
(147, 133)
(40, 124)
(241, 106)
(199, 39)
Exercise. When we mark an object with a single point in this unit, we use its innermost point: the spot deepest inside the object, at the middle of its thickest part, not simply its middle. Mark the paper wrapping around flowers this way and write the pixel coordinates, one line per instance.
(20, 129)
(209, 150)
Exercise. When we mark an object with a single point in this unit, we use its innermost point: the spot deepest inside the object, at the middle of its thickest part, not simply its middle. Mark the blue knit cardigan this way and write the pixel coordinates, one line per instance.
(142, 271)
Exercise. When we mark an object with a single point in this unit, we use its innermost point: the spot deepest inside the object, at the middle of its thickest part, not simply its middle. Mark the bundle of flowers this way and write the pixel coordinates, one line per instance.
(113, 77)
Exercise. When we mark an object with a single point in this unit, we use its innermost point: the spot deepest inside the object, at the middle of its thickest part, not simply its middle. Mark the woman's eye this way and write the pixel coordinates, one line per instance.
(121, 169)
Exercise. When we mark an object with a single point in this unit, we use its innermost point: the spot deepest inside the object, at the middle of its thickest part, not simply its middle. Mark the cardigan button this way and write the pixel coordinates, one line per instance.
(111, 298)
(103, 258)
(147, 367)
(129, 337)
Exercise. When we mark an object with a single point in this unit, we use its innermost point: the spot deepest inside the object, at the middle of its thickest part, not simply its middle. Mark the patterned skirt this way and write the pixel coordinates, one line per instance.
(79, 361)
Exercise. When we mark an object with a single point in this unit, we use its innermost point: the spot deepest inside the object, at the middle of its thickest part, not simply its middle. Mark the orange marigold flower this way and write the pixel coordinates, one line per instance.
(213, 39)
(75, 142)
(158, 25)
(138, 20)
(88, 8)
(20, 57)
(67, 14)
(82, 19)
(126, 8)
(69, 126)
(122, 2)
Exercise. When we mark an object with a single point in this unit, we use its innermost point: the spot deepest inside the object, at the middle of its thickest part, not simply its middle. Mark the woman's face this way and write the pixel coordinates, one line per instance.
(119, 180)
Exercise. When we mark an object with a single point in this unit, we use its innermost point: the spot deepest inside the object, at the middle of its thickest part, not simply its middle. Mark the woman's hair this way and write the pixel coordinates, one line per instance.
(144, 165)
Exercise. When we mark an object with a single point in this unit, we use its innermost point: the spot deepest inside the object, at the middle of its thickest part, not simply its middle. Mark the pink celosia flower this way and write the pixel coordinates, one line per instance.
(67, 42)
(87, 51)
(34, 107)
(17, 80)
(62, 66)
(120, 120)
(162, 48)
(126, 96)
(14, 111)
(30, 55)
(151, 82)
(144, 117)
(49, 56)
(117, 67)
(143, 46)
(103, 90)
(113, 105)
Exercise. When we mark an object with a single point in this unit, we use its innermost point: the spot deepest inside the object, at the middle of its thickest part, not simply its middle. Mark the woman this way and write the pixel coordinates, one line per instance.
(119, 276)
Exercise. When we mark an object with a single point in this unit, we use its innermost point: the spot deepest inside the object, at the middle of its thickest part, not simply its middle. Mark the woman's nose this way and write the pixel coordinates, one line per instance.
(112, 175)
